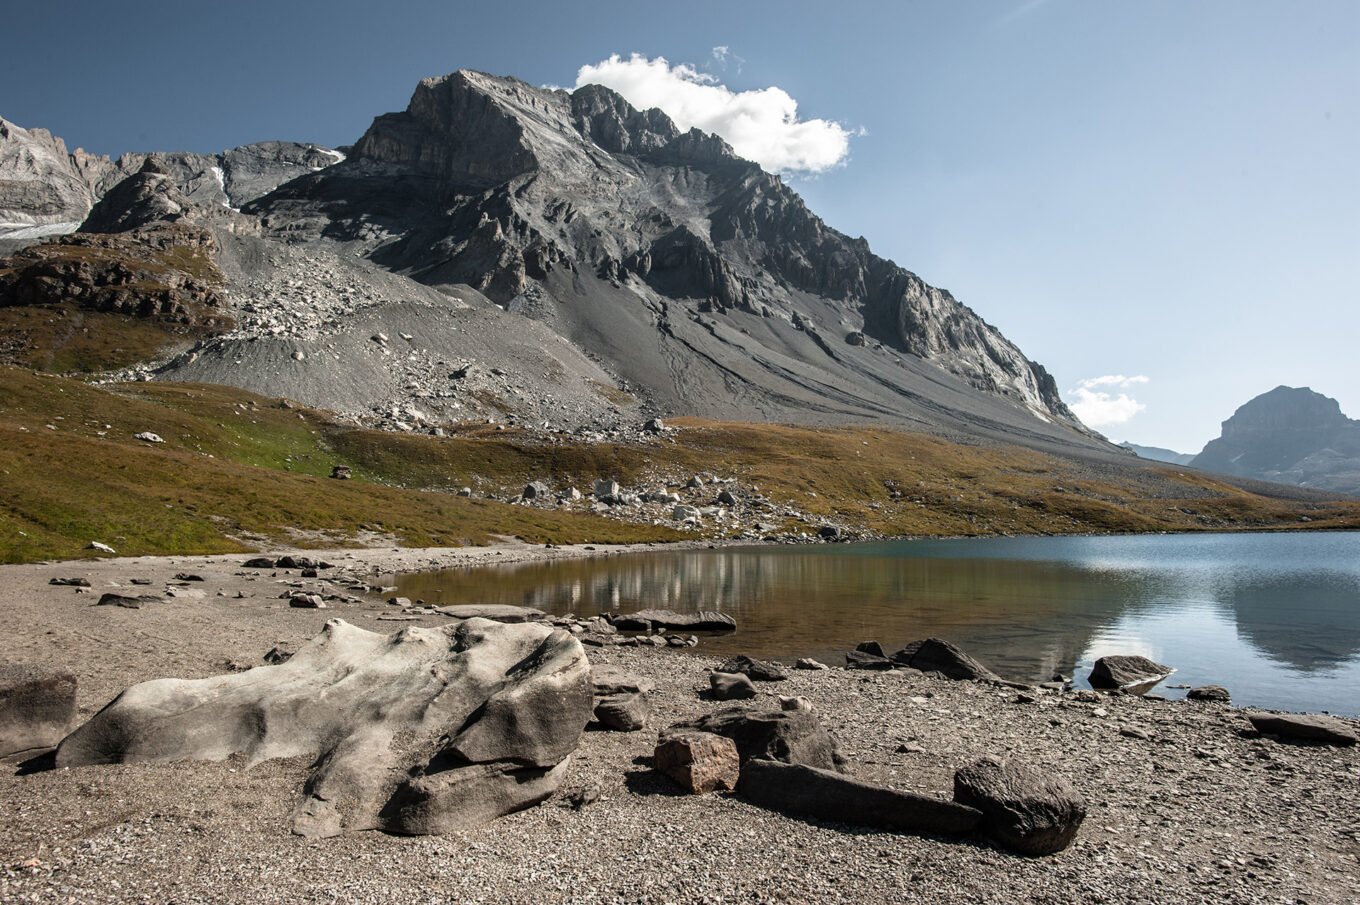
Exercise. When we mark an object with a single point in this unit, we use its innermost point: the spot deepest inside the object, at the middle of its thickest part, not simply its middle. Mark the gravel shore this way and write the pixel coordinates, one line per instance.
(1186, 803)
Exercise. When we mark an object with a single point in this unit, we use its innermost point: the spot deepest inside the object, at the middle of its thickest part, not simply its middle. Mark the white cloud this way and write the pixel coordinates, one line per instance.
(760, 125)
(1096, 403)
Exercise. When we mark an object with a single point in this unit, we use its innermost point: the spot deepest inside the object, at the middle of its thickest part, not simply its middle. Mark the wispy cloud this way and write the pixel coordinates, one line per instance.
(1097, 402)
(760, 125)
(723, 55)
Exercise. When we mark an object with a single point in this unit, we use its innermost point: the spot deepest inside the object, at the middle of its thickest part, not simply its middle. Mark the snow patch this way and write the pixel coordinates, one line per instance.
(339, 158)
(221, 178)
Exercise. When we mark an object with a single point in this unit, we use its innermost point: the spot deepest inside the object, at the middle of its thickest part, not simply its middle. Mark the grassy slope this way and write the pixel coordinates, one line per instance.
(234, 465)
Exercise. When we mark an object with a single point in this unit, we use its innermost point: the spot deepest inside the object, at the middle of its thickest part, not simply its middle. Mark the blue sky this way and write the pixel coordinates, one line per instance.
(1160, 190)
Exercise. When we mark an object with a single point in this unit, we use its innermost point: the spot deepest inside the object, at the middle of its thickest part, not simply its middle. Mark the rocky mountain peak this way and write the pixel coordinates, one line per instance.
(1291, 435)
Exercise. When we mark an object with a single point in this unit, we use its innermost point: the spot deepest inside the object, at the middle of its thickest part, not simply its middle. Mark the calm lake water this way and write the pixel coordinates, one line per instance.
(1274, 617)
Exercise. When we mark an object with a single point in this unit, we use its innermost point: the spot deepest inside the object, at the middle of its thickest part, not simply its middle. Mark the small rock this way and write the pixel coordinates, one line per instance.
(809, 663)
(341, 472)
(148, 437)
(102, 548)
(794, 703)
(307, 602)
(1216, 693)
(1131, 674)
(759, 670)
(127, 602)
(731, 686)
(70, 582)
(699, 762)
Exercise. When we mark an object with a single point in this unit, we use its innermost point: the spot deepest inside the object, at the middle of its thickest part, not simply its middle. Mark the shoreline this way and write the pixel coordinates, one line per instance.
(1186, 803)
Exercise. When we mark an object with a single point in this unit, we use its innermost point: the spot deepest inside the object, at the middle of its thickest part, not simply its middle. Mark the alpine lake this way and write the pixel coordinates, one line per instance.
(1274, 617)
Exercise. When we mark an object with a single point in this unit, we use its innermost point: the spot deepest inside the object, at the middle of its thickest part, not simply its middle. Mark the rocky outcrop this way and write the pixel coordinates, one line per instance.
(37, 708)
(147, 197)
(422, 731)
(44, 189)
(1291, 436)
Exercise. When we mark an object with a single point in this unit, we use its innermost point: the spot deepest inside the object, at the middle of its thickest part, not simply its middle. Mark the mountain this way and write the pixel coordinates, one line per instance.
(1292, 436)
(1159, 454)
(560, 259)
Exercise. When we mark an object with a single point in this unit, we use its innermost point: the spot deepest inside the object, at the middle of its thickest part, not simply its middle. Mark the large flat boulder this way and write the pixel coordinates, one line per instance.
(798, 790)
(1305, 727)
(649, 620)
(496, 612)
(428, 730)
(37, 708)
(789, 736)
(1023, 808)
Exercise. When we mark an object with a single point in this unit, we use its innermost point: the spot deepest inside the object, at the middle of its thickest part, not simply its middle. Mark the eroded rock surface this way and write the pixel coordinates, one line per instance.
(428, 730)
(37, 707)
(1023, 808)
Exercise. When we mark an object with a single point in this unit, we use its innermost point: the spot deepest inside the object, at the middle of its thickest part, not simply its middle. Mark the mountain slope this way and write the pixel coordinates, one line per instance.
(1292, 436)
(701, 283)
(1159, 454)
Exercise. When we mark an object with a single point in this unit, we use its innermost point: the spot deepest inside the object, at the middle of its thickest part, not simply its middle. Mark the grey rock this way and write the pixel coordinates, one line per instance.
(258, 562)
(1304, 727)
(794, 702)
(809, 663)
(307, 601)
(699, 762)
(759, 670)
(1216, 693)
(535, 490)
(623, 711)
(871, 647)
(498, 612)
(37, 708)
(1132, 674)
(148, 437)
(701, 621)
(70, 582)
(788, 736)
(856, 659)
(936, 656)
(798, 790)
(148, 196)
(429, 730)
(1023, 809)
(730, 686)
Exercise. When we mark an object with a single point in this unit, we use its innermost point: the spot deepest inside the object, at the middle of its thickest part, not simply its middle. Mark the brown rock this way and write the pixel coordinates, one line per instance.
(699, 761)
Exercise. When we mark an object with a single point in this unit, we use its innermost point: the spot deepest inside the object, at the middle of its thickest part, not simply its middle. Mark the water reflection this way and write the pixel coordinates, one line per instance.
(1274, 617)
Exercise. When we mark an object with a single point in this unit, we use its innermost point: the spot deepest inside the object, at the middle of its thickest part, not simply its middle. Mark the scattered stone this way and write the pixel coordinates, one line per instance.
(1306, 727)
(1135, 732)
(620, 699)
(1022, 808)
(725, 498)
(829, 532)
(759, 670)
(788, 736)
(465, 491)
(809, 663)
(488, 715)
(187, 576)
(695, 483)
(606, 489)
(102, 548)
(731, 686)
(141, 582)
(341, 472)
(497, 612)
(1216, 693)
(1130, 674)
(700, 762)
(871, 647)
(300, 562)
(37, 708)
(798, 790)
(280, 653)
(655, 426)
(148, 437)
(683, 513)
(307, 601)
(259, 562)
(584, 797)
(535, 490)
(935, 655)
(787, 702)
(70, 582)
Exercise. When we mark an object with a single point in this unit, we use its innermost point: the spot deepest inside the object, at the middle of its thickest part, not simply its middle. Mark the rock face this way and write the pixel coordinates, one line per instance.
(1291, 436)
(623, 233)
(37, 708)
(802, 791)
(149, 196)
(422, 731)
(1022, 808)
(44, 190)
(1132, 674)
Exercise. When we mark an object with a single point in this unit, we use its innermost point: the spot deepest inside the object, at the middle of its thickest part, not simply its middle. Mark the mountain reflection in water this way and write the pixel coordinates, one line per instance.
(1275, 617)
